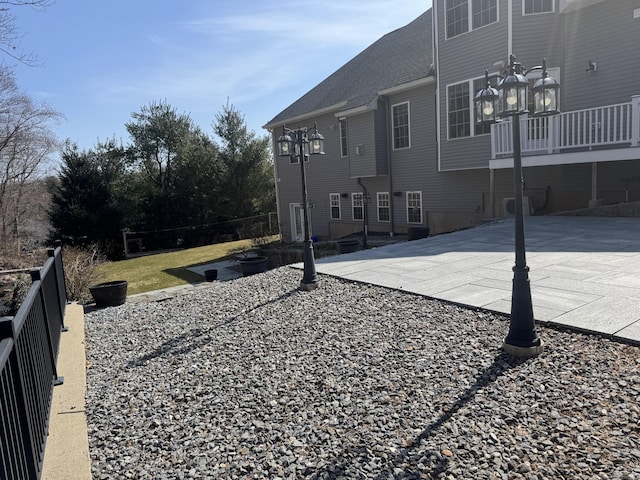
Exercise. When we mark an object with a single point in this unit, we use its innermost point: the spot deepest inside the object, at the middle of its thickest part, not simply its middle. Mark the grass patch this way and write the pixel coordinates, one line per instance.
(163, 270)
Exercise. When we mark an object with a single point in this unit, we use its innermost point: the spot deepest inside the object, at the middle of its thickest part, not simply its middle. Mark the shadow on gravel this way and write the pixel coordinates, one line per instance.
(198, 337)
(397, 467)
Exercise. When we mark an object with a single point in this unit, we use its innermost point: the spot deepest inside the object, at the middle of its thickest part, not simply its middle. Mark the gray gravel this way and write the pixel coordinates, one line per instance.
(254, 379)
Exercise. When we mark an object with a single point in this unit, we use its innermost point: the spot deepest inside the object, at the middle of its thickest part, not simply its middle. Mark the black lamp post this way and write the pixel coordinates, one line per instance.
(510, 100)
(299, 144)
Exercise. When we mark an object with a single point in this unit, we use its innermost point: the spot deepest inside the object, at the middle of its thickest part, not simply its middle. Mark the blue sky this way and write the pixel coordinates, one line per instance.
(104, 59)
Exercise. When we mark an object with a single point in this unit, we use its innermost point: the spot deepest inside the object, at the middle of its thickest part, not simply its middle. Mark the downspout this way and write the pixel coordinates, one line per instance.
(509, 29)
(365, 213)
(436, 71)
(385, 101)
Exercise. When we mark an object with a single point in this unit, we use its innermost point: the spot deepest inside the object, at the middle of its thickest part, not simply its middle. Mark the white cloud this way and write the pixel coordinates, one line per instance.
(260, 53)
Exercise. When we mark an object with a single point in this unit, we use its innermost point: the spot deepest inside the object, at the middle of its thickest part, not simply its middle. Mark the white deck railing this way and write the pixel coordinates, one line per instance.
(611, 126)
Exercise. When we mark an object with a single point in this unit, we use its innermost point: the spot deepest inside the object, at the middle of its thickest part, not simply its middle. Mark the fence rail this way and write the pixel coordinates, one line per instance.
(29, 345)
(610, 126)
(198, 235)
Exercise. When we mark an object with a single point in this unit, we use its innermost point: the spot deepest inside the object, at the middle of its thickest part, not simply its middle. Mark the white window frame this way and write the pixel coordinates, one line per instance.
(357, 201)
(344, 137)
(334, 201)
(553, 72)
(470, 26)
(384, 201)
(524, 3)
(393, 126)
(448, 100)
(497, 2)
(411, 205)
(472, 112)
(446, 12)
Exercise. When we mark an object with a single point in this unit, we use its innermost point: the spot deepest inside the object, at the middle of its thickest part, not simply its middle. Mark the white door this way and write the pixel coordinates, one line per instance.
(297, 222)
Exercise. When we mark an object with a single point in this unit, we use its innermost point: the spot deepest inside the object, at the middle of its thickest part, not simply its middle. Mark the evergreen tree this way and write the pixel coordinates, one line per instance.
(248, 175)
(85, 208)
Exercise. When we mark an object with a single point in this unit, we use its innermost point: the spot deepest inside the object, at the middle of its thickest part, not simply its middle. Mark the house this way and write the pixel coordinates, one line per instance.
(403, 150)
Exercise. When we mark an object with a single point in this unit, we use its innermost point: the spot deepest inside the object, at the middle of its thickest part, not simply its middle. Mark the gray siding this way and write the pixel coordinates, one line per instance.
(461, 58)
(608, 34)
(382, 138)
(536, 37)
(605, 32)
(326, 174)
(362, 146)
(456, 185)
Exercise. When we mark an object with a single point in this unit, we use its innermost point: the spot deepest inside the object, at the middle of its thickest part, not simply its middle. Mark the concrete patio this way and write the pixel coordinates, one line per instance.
(585, 271)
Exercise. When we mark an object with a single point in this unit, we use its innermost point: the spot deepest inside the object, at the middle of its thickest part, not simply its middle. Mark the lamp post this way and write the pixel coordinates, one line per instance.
(299, 143)
(510, 99)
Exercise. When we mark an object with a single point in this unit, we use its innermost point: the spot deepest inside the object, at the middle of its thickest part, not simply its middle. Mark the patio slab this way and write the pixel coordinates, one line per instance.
(585, 271)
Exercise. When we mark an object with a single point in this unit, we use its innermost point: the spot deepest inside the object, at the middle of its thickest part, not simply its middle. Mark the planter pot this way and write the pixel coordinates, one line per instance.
(414, 233)
(211, 275)
(348, 246)
(109, 294)
(252, 265)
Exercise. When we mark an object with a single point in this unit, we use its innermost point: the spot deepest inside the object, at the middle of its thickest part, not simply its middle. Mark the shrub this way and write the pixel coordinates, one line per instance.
(21, 287)
(80, 271)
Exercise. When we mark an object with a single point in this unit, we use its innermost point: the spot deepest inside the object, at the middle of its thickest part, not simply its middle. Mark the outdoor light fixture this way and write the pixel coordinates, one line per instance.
(299, 144)
(545, 94)
(486, 102)
(510, 99)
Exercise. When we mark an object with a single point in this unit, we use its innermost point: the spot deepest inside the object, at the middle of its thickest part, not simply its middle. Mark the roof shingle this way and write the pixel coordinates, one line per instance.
(399, 57)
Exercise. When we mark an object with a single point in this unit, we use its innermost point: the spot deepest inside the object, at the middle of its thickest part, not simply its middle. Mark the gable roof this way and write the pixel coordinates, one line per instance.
(400, 57)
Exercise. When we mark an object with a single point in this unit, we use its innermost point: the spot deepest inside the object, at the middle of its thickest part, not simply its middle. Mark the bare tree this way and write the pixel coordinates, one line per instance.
(10, 34)
(26, 142)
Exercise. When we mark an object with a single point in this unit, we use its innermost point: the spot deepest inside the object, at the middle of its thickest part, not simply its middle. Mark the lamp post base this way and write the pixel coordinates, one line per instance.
(523, 352)
(309, 286)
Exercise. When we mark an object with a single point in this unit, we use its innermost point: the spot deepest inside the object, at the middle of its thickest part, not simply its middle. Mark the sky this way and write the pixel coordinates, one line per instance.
(102, 60)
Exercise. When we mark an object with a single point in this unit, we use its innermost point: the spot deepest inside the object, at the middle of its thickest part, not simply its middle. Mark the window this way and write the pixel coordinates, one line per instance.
(465, 15)
(414, 207)
(357, 206)
(384, 214)
(400, 115)
(334, 202)
(484, 12)
(459, 110)
(537, 6)
(457, 17)
(344, 145)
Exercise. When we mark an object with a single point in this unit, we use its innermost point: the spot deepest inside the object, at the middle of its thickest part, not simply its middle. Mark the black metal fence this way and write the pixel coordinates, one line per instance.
(29, 344)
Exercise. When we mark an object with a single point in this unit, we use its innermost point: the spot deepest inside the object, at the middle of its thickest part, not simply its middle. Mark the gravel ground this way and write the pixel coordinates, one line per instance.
(254, 379)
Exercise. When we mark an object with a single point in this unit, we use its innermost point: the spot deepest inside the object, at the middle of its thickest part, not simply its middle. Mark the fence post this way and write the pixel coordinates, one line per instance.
(36, 277)
(6, 327)
(61, 288)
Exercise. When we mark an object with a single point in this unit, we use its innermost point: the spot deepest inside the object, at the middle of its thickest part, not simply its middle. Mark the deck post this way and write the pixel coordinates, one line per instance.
(635, 120)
